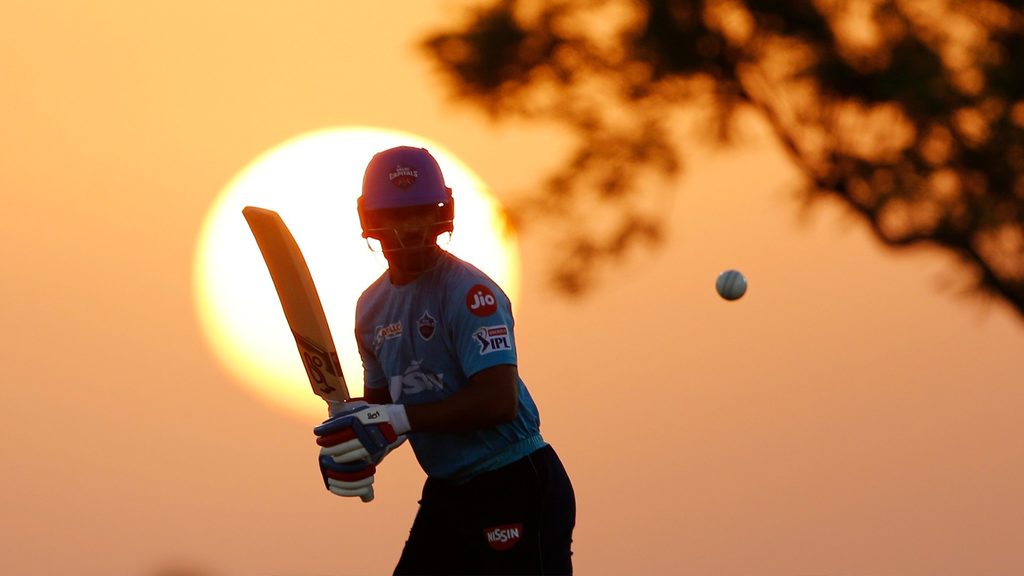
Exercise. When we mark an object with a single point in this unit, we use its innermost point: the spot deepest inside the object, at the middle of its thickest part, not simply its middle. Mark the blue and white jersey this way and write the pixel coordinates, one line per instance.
(424, 340)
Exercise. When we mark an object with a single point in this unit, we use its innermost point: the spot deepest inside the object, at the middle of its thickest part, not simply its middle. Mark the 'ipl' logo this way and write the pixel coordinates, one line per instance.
(493, 339)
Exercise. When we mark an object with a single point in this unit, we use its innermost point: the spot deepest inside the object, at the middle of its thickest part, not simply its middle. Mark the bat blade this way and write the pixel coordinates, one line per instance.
(300, 302)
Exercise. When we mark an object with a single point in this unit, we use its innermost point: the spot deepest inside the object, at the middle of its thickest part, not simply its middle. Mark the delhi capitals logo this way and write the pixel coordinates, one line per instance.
(426, 325)
(403, 176)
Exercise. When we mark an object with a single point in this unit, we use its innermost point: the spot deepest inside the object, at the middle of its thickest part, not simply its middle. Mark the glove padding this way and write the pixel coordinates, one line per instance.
(346, 463)
(362, 431)
(349, 479)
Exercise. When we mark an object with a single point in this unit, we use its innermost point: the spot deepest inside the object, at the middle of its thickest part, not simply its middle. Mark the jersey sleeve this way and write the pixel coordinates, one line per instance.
(482, 325)
(373, 373)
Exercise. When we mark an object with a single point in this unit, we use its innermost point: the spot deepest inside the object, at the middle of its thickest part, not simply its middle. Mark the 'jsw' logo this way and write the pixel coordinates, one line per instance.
(414, 380)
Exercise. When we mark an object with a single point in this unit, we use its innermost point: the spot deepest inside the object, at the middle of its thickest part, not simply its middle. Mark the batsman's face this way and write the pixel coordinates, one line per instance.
(407, 237)
(403, 229)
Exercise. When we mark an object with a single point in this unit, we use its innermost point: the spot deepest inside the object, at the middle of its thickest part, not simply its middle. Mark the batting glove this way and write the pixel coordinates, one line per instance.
(362, 431)
(354, 479)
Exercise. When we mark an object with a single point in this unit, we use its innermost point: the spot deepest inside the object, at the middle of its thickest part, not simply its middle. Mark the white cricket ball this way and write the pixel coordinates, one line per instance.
(731, 285)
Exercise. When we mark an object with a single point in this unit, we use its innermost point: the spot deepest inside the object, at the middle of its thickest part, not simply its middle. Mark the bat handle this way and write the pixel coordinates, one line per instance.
(367, 497)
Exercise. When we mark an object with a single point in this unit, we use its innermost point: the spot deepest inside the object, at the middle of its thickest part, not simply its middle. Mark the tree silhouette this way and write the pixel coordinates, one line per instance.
(911, 112)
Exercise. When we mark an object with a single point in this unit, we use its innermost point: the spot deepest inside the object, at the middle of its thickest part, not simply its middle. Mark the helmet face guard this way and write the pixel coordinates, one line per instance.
(431, 221)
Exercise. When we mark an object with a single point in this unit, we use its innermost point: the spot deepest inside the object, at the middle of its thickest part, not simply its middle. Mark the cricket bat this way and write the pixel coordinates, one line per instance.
(300, 302)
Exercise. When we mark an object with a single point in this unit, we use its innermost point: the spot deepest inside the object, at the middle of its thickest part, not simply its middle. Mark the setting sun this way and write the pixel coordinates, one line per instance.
(313, 182)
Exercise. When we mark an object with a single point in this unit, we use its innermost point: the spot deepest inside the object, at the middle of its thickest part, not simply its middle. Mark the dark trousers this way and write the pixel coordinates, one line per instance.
(514, 520)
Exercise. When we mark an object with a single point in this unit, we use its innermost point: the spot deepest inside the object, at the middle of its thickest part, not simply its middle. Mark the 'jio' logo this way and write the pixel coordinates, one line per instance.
(481, 301)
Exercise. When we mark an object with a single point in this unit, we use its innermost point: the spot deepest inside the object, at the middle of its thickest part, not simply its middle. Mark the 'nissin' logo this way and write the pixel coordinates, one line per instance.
(503, 537)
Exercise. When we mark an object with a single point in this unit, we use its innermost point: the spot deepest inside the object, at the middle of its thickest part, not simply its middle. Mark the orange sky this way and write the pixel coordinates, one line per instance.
(847, 417)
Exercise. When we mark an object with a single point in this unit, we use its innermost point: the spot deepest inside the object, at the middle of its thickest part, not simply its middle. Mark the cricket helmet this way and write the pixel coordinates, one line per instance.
(404, 178)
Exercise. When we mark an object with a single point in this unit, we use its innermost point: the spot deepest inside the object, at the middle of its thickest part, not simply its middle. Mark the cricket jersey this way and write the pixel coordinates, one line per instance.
(424, 340)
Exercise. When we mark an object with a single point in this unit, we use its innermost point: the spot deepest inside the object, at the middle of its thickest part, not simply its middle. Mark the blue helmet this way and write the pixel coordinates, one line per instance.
(405, 177)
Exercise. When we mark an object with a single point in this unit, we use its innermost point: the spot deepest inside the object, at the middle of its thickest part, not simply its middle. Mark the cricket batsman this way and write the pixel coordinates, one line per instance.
(437, 341)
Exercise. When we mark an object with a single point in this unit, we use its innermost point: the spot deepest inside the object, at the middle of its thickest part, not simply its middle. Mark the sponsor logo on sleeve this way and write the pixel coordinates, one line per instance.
(503, 537)
(481, 301)
(426, 325)
(493, 339)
